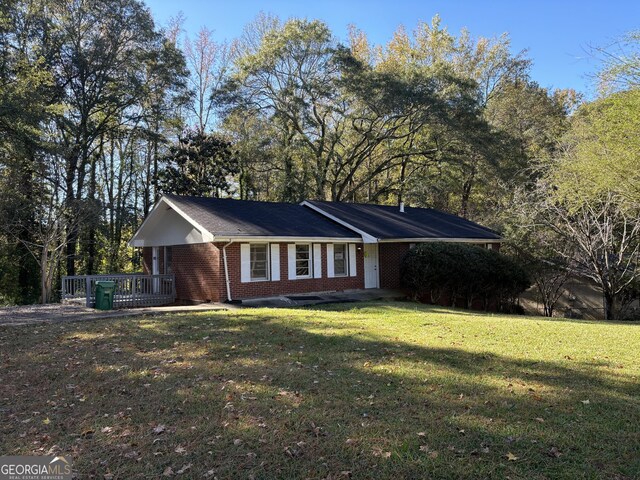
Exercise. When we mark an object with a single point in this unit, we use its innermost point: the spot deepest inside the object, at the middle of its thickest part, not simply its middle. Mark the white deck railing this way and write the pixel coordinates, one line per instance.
(131, 290)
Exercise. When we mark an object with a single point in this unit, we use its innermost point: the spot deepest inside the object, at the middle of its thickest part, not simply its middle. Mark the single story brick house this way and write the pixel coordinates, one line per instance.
(225, 249)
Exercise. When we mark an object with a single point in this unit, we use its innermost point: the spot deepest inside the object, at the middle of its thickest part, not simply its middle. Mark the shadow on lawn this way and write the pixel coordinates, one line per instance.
(253, 395)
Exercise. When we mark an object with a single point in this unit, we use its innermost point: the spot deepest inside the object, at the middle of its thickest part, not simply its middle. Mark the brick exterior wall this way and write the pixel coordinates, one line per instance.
(199, 272)
(197, 269)
(390, 257)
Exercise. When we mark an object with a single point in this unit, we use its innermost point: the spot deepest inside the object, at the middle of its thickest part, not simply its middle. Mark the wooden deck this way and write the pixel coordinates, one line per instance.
(131, 290)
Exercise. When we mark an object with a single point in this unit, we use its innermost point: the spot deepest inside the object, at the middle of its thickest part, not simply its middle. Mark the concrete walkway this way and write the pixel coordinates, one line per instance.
(57, 312)
(321, 298)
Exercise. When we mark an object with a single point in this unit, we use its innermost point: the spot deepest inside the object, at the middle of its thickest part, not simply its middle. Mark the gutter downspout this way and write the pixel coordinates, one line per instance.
(226, 270)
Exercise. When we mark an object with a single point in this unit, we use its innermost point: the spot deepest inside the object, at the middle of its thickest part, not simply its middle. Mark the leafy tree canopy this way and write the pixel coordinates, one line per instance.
(199, 164)
(602, 151)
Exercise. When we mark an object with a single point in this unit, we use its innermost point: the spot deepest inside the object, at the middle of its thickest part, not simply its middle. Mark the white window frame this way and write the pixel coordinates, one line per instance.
(345, 259)
(309, 259)
(267, 259)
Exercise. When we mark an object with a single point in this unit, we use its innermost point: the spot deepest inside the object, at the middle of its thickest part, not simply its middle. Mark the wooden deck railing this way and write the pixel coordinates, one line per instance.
(131, 290)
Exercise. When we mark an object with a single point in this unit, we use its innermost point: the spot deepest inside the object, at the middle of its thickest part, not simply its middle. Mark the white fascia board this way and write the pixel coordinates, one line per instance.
(366, 237)
(275, 239)
(137, 242)
(453, 240)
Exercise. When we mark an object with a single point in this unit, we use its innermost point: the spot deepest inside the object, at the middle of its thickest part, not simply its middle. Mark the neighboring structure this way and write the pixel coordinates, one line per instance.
(223, 249)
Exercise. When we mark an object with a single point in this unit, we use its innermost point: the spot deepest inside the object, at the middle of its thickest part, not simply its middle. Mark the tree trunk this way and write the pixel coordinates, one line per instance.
(610, 306)
(91, 236)
(464, 201)
(44, 261)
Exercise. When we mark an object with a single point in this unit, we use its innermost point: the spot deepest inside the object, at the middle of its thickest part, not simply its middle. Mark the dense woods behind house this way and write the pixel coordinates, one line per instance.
(102, 111)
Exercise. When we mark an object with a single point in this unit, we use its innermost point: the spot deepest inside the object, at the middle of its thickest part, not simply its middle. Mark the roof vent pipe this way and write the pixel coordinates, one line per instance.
(401, 207)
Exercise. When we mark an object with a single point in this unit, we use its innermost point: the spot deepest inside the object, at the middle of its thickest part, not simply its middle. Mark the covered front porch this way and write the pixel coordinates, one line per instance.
(131, 290)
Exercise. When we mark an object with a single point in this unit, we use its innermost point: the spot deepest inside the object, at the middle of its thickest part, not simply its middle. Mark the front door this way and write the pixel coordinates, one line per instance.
(371, 265)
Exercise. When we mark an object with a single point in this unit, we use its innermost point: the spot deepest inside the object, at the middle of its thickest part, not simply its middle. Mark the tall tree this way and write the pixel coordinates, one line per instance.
(25, 108)
(590, 195)
(98, 58)
(334, 114)
(199, 164)
(209, 63)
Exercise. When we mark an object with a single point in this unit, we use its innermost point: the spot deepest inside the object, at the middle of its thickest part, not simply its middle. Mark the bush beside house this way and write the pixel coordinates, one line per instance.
(463, 275)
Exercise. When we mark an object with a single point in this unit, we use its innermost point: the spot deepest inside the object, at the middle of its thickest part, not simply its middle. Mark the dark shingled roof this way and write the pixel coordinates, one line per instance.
(227, 217)
(387, 222)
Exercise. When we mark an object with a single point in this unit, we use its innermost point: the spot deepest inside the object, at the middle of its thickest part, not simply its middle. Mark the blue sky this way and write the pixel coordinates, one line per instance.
(557, 34)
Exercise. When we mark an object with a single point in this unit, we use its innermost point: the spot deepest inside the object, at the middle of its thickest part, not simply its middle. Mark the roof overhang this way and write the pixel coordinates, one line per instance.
(452, 240)
(167, 224)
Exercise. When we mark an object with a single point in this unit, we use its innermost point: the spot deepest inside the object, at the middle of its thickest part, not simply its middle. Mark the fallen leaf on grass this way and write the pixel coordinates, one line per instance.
(159, 429)
(294, 450)
(377, 452)
(586, 402)
(184, 469)
(428, 451)
(46, 421)
(554, 452)
(511, 457)
(168, 472)
(316, 431)
(106, 429)
(132, 454)
(180, 450)
(540, 419)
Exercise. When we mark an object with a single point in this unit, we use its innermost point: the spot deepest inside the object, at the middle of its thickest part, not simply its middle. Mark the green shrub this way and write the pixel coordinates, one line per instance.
(458, 272)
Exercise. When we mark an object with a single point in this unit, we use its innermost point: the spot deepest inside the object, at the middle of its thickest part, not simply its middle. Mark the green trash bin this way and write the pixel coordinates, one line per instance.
(104, 294)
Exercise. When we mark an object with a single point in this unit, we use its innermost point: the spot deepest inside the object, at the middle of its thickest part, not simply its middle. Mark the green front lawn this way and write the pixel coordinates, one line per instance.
(379, 390)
